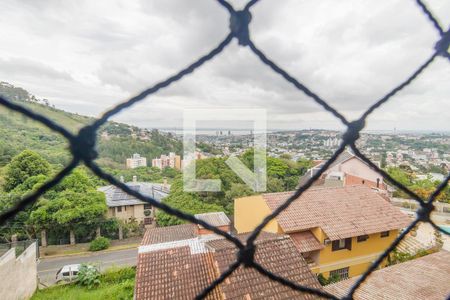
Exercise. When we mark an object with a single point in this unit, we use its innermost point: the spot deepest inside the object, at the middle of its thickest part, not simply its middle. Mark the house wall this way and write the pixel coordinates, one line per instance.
(358, 259)
(204, 231)
(356, 167)
(355, 180)
(18, 275)
(128, 211)
(249, 212)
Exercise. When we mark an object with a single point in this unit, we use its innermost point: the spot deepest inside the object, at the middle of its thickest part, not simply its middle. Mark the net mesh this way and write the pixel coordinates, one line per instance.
(82, 147)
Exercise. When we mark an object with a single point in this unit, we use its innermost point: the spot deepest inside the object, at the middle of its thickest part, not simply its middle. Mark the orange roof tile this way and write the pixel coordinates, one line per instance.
(177, 273)
(305, 241)
(168, 234)
(341, 212)
(422, 278)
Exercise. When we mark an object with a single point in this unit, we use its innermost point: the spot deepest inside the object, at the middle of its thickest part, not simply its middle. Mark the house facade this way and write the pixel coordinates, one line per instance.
(128, 208)
(346, 170)
(339, 230)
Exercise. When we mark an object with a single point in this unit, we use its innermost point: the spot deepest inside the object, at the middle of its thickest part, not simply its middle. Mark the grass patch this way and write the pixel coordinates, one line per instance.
(115, 283)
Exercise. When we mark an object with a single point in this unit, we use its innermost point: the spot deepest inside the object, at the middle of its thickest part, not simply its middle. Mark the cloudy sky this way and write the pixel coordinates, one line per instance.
(86, 56)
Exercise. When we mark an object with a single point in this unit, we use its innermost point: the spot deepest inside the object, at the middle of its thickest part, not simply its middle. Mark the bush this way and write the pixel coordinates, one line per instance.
(117, 275)
(99, 243)
(331, 279)
(88, 276)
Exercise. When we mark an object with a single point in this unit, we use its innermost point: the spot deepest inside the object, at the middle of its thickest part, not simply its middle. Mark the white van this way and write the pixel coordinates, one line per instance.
(68, 273)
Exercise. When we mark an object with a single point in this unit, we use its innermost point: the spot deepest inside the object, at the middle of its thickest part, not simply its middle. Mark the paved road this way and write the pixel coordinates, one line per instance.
(48, 267)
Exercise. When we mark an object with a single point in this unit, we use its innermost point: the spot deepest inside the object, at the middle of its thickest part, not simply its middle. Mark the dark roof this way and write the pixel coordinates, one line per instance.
(160, 235)
(116, 197)
(421, 278)
(305, 241)
(179, 273)
(341, 212)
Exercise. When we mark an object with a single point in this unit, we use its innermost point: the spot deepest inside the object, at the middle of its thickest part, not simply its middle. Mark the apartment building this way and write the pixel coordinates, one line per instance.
(136, 161)
(172, 160)
(339, 230)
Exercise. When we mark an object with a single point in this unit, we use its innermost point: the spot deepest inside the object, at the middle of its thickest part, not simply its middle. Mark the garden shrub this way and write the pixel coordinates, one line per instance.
(117, 275)
(99, 243)
(88, 276)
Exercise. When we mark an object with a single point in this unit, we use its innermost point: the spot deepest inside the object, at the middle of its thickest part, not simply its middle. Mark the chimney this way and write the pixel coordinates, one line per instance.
(134, 178)
(122, 179)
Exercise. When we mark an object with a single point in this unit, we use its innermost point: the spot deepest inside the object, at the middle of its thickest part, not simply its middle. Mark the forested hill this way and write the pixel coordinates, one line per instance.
(116, 141)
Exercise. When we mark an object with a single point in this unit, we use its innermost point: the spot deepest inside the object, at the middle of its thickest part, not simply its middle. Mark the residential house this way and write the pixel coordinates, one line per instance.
(127, 208)
(338, 230)
(179, 262)
(421, 278)
(136, 161)
(347, 169)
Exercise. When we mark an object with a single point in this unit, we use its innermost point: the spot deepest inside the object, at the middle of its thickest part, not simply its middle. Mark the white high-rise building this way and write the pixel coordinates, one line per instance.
(136, 161)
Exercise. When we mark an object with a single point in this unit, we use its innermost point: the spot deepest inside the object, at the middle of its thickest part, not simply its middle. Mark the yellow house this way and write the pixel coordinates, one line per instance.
(339, 230)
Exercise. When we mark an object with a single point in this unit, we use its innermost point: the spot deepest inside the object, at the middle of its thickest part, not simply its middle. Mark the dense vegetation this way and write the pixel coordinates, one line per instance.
(424, 188)
(282, 175)
(114, 284)
(72, 208)
(20, 133)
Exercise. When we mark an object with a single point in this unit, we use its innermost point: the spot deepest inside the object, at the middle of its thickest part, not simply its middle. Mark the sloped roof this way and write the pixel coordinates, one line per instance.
(344, 156)
(277, 255)
(214, 218)
(174, 274)
(117, 197)
(159, 235)
(340, 212)
(305, 241)
(422, 278)
(180, 273)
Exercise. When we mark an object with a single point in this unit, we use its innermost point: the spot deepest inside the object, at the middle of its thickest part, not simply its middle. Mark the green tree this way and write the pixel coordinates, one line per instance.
(71, 204)
(24, 166)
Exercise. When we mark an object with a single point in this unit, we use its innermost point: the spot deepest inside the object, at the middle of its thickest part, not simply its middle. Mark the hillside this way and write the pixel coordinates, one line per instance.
(116, 141)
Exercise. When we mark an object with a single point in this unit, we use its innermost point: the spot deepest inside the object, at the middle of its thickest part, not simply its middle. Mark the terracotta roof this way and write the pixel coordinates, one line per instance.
(180, 273)
(224, 243)
(277, 255)
(168, 234)
(174, 274)
(341, 212)
(422, 278)
(305, 241)
(214, 218)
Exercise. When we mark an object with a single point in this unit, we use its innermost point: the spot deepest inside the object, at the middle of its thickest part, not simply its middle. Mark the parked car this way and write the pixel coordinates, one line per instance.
(69, 273)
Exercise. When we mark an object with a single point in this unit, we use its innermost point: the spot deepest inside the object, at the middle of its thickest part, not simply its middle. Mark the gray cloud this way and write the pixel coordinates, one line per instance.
(86, 56)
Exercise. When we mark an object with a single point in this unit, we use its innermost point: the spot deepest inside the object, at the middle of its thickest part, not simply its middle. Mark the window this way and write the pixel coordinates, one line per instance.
(340, 273)
(342, 244)
(147, 221)
(384, 234)
(362, 238)
(119, 208)
(147, 206)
